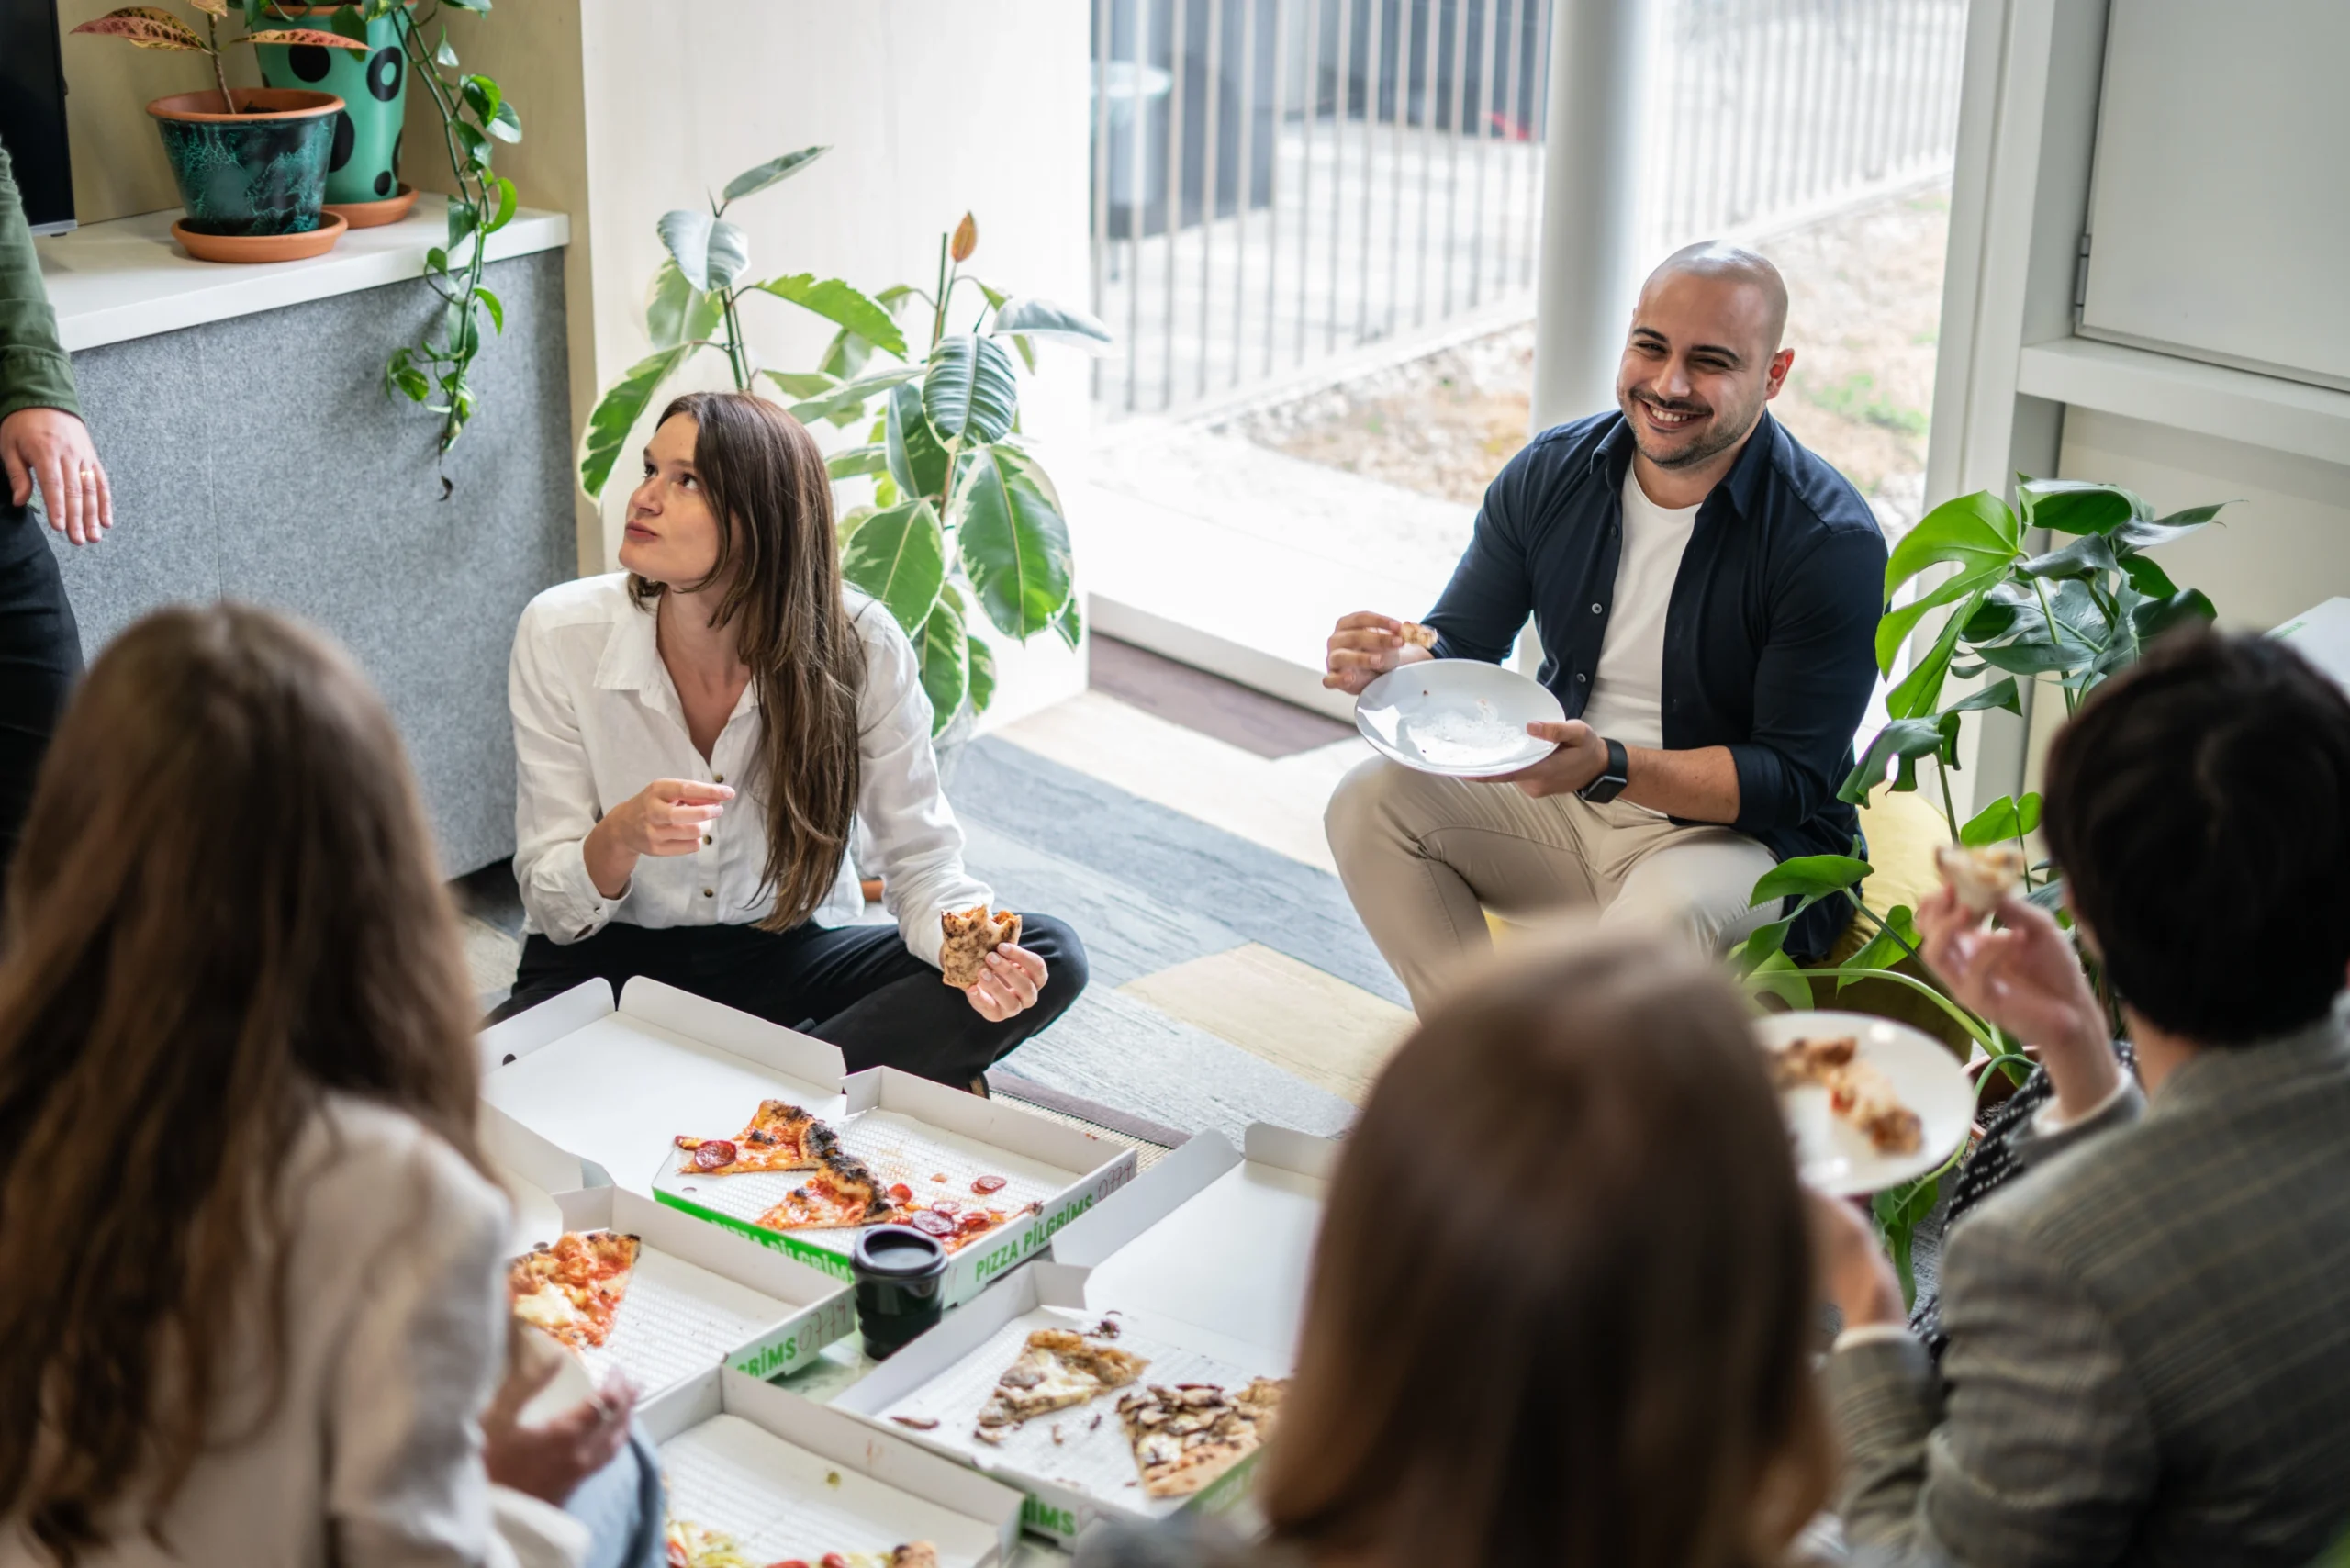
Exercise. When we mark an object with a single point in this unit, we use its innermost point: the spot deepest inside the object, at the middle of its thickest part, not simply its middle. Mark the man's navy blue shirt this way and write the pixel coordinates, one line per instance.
(1769, 640)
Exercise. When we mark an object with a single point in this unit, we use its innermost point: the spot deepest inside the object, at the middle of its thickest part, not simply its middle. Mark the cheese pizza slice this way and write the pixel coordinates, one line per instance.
(781, 1137)
(1186, 1436)
(1057, 1368)
(572, 1290)
(842, 1192)
(968, 938)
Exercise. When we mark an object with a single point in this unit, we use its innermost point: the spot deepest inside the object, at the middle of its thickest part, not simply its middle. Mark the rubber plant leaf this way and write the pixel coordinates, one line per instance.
(982, 675)
(966, 241)
(944, 648)
(1042, 318)
(969, 391)
(675, 312)
(849, 397)
(750, 181)
(1015, 545)
(917, 461)
(899, 557)
(146, 27)
(709, 251)
(616, 413)
(846, 308)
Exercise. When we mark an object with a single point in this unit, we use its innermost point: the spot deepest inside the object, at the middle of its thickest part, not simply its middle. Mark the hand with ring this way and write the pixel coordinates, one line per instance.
(51, 448)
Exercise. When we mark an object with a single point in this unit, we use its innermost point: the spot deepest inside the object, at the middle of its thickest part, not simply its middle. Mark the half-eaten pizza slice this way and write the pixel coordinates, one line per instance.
(572, 1290)
(1417, 635)
(841, 1192)
(970, 937)
(1186, 1436)
(1056, 1369)
(781, 1137)
(1982, 875)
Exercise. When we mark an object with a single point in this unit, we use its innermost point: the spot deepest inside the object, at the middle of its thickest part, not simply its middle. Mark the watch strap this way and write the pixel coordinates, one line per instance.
(1612, 778)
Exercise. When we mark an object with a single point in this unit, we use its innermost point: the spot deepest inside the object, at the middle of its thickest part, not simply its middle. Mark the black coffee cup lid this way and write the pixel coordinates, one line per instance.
(897, 1252)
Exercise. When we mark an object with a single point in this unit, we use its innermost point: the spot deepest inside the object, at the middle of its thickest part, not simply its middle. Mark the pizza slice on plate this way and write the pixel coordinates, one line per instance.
(781, 1137)
(970, 937)
(1186, 1436)
(573, 1289)
(1057, 1368)
(1856, 1091)
(841, 1192)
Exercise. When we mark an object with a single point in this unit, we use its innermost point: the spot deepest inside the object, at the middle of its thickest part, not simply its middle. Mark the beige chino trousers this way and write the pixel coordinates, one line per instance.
(1423, 859)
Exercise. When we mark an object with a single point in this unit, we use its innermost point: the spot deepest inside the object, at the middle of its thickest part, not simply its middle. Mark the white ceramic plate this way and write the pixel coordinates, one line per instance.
(1833, 1154)
(1462, 718)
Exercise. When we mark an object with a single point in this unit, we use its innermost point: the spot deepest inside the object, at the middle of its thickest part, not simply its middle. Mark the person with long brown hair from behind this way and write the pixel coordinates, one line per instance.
(251, 1277)
(730, 656)
(1561, 1311)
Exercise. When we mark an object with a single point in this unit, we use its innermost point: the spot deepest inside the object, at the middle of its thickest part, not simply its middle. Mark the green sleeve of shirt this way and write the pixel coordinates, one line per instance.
(34, 371)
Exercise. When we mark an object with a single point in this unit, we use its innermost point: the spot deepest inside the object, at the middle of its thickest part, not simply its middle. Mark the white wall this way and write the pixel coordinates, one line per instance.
(932, 108)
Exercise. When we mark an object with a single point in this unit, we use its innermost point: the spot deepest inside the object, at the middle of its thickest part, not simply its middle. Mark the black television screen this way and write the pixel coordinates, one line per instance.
(32, 112)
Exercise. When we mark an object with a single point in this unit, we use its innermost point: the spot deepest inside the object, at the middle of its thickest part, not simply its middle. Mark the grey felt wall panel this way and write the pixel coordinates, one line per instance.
(257, 458)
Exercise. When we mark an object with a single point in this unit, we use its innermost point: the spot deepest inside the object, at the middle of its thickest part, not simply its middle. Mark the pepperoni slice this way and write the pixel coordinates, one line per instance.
(832, 1560)
(975, 1221)
(929, 1224)
(903, 1193)
(987, 1184)
(712, 1154)
(946, 1207)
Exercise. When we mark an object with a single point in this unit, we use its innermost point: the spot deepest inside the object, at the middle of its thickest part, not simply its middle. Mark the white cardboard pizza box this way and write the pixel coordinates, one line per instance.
(1201, 1260)
(614, 1085)
(936, 1141)
(785, 1477)
(699, 1298)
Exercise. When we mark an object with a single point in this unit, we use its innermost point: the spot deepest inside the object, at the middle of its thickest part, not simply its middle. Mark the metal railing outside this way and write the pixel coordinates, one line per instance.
(1276, 182)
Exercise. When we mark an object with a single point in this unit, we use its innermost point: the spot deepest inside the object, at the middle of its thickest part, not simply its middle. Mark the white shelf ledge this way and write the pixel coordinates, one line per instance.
(2164, 389)
(123, 279)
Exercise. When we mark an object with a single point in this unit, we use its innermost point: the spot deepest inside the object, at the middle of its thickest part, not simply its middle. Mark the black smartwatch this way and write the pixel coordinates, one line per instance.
(1612, 778)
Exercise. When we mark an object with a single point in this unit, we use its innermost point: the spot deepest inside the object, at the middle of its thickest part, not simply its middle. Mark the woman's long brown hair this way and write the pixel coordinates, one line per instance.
(225, 905)
(1562, 1305)
(781, 565)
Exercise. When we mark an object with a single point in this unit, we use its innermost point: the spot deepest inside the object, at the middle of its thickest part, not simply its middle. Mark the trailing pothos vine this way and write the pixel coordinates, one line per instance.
(474, 117)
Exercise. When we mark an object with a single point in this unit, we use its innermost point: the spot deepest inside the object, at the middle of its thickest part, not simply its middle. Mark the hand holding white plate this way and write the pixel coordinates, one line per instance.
(1836, 1158)
(1460, 718)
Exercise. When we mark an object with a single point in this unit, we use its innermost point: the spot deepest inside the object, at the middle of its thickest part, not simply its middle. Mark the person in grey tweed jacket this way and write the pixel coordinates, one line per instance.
(2149, 1351)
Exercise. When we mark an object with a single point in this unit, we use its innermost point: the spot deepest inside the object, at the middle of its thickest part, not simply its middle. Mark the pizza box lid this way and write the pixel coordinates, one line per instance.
(2321, 636)
(614, 1084)
(701, 1297)
(1254, 1210)
(785, 1475)
(533, 1170)
(1089, 1474)
(912, 1130)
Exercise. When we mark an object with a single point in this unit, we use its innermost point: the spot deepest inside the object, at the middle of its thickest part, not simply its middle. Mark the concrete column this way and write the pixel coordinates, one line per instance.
(1590, 260)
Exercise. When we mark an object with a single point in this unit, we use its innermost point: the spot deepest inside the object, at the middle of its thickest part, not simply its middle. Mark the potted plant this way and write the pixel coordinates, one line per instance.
(2065, 618)
(962, 515)
(251, 162)
(363, 162)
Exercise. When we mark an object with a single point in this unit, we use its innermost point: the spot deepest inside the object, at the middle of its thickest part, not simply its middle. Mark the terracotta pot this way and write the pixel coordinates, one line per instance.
(373, 214)
(260, 171)
(254, 248)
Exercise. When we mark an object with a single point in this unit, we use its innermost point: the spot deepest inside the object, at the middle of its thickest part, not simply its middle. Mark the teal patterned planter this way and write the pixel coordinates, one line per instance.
(364, 161)
(259, 172)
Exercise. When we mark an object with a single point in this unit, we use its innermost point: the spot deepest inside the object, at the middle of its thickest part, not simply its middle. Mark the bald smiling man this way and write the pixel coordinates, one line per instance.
(1707, 592)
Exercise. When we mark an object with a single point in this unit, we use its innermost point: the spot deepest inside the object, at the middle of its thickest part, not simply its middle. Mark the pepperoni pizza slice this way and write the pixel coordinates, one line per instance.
(572, 1290)
(842, 1193)
(781, 1137)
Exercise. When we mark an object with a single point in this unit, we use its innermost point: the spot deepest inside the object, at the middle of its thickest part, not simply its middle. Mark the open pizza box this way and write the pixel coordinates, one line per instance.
(616, 1085)
(1201, 1262)
(788, 1478)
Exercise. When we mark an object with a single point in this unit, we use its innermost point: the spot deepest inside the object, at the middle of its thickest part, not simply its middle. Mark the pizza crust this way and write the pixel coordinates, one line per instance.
(1982, 875)
(1417, 635)
(970, 937)
(844, 1192)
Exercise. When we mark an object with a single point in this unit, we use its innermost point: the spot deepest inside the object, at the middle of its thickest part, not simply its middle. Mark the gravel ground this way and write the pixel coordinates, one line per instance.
(1865, 290)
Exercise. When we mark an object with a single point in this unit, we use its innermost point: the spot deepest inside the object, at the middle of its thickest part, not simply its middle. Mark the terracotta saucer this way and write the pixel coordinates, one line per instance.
(373, 214)
(262, 247)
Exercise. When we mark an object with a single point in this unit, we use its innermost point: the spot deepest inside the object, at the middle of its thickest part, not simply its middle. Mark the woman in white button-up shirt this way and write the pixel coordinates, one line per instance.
(252, 1300)
(695, 737)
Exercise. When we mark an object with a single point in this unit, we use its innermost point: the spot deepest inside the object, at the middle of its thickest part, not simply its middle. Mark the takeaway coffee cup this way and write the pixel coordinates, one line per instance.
(901, 1277)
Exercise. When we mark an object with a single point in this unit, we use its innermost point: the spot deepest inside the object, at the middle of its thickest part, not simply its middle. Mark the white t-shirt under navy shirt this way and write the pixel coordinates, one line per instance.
(1627, 701)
